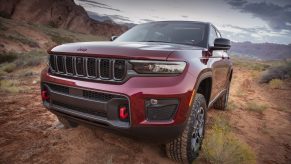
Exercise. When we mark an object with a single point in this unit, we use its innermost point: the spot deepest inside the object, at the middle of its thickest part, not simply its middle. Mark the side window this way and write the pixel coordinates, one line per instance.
(212, 36)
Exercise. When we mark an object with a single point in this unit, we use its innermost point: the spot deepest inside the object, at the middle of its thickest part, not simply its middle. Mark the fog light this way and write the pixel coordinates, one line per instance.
(44, 95)
(123, 113)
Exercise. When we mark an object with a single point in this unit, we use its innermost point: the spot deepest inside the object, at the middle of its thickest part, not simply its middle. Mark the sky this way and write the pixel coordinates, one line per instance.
(256, 21)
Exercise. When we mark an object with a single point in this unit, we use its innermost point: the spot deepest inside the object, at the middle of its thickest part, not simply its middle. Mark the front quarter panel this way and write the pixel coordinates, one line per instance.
(197, 64)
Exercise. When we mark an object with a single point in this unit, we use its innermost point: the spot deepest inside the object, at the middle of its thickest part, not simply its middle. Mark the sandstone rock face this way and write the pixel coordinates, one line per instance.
(58, 13)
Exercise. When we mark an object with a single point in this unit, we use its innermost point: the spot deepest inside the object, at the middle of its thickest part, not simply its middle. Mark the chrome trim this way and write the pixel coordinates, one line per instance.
(113, 68)
(98, 70)
(74, 66)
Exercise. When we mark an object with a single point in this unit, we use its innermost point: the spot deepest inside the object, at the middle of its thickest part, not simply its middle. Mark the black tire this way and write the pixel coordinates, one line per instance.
(67, 123)
(186, 147)
(221, 102)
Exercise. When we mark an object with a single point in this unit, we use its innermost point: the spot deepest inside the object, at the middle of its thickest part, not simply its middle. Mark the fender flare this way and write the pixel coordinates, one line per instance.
(206, 73)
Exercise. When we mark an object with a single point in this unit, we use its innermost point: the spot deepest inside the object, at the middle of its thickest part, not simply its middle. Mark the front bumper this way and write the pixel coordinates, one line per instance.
(134, 93)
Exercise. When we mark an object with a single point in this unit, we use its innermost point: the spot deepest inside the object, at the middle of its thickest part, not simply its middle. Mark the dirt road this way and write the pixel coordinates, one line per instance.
(29, 133)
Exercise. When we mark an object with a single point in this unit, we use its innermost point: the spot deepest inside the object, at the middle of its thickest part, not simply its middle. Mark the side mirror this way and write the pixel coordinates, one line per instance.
(113, 38)
(221, 44)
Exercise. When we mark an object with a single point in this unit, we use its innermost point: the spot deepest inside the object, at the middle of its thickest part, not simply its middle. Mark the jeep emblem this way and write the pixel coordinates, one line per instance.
(82, 49)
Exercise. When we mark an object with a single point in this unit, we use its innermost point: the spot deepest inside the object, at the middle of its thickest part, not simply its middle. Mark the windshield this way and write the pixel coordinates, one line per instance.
(188, 33)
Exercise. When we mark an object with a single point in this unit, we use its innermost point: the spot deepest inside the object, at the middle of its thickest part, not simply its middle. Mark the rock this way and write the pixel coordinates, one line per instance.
(58, 14)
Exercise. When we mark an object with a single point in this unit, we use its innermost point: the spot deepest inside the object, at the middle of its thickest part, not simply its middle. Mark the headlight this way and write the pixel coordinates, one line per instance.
(157, 67)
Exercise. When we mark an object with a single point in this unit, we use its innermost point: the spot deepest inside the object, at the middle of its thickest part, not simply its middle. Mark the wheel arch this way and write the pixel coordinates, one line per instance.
(204, 84)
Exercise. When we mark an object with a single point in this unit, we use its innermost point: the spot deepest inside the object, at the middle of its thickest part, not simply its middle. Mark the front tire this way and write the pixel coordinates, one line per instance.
(186, 147)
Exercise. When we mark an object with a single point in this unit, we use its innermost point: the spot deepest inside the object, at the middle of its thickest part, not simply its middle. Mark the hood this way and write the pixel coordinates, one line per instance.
(132, 50)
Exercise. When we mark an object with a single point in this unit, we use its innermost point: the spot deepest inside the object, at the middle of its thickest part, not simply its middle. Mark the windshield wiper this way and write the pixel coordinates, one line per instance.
(159, 41)
(155, 41)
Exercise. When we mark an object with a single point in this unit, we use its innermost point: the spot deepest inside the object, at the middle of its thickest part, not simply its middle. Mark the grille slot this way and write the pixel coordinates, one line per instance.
(60, 64)
(97, 96)
(105, 68)
(69, 65)
(52, 62)
(92, 67)
(119, 69)
(88, 67)
(79, 66)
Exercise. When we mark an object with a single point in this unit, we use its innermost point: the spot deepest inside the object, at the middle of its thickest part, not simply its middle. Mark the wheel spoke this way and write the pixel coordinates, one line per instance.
(198, 128)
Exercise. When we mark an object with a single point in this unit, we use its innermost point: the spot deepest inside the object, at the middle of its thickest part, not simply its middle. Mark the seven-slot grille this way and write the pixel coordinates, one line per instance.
(88, 67)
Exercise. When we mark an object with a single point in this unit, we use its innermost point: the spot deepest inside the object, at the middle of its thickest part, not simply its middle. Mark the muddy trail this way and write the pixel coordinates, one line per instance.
(31, 134)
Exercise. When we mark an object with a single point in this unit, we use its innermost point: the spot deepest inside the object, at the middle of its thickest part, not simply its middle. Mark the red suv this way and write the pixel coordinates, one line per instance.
(155, 81)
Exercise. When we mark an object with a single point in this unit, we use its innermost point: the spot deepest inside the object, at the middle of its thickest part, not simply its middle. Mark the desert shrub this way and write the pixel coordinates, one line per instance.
(9, 86)
(20, 38)
(29, 59)
(221, 146)
(278, 72)
(256, 107)
(8, 67)
(7, 57)
(61, 39)
(276, 84)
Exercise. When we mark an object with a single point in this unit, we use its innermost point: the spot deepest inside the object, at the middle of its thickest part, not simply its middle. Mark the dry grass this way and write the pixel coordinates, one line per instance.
(221, 146)
(231, 105)
(9, 86)
(14, 61)
(17, 37)
(276, 84)
(256, 107)
(240, 92)
(250, 64)
(221, 122)
(8, 67)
